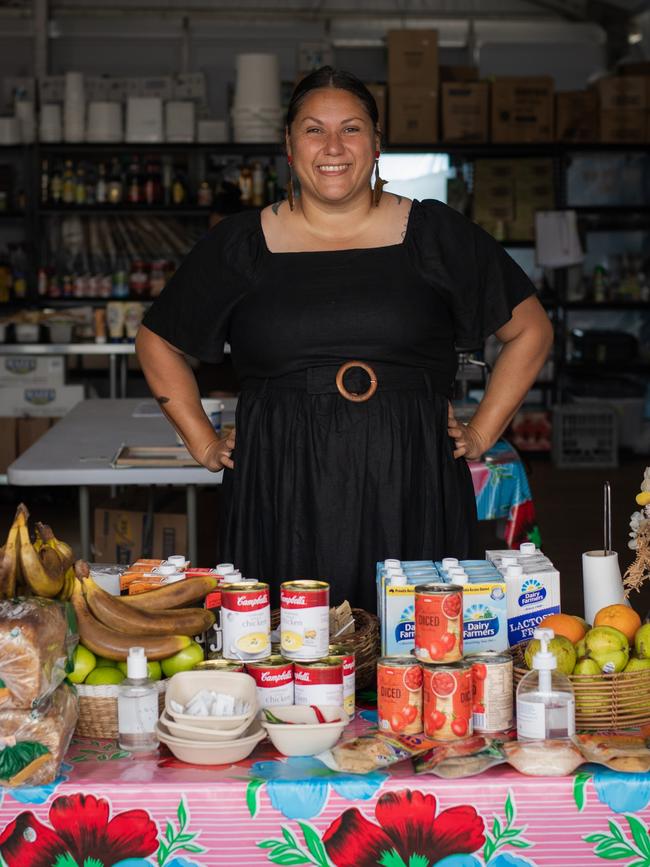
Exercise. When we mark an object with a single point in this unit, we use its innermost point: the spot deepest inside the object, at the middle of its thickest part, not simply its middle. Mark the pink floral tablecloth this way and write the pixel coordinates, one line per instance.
(111, 808)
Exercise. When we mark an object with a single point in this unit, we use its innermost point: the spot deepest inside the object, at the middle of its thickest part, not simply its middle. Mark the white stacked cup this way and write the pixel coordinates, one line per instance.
(74, 108)
(105, 122)
(50, 127)
(257, 110)
(24, 110)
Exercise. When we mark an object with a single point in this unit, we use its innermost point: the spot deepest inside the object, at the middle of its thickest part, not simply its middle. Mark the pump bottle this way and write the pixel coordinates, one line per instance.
(545, 700)
(137, 705)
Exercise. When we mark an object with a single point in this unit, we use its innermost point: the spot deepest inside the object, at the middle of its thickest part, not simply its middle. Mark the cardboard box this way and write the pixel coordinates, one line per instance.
(8, 443)
(465, 111)
(19, 370)
(169, 534)
(39, 400)
(379, 93)
(122, 534)
(458, 73)
(576, 116)
(626, 92)
(413, 115)
(413, 57)
(494, 192)
(522, 109)
(623, 126)
(30, 430)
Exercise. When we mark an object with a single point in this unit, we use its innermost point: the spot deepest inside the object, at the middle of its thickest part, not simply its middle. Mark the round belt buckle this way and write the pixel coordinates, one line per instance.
(348, 395)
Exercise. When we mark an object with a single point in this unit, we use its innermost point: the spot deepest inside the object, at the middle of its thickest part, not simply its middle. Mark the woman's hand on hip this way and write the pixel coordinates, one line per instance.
(468, 442)
(218, 454)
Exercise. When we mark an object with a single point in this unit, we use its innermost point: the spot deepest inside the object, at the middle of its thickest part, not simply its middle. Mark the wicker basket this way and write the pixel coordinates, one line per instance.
(364, 641)
(605, 701)
(98, 710)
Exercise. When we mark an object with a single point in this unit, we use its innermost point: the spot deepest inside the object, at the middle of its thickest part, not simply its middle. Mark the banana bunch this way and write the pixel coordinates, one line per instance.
(45, 538)
(9, 563)
(109, 627)
(42, 570)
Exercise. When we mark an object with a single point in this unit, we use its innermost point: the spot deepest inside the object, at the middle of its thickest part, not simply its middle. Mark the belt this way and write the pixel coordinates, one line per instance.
(356, 380)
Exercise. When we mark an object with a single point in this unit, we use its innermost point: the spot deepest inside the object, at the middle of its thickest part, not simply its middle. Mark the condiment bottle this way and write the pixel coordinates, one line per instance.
(545, 700)
(137, 705)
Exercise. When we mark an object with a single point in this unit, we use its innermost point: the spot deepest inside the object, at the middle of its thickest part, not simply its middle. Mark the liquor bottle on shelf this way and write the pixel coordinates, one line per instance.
(167, 180)
(68, 184)
(18, 264)
(134, 188)
(246, 185)
(80, 187)
(115, 189)
(257, 186)
(204, 195)
(179, 193)
(101, 190)
(152, 184)
(56, 187)
(45, 183)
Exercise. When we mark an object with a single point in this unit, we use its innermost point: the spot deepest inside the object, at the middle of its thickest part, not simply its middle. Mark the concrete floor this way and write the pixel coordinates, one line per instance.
(568, 505)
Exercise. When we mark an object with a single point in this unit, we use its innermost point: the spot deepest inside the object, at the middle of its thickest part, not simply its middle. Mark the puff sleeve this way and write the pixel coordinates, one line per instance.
(480, 283)
(193, 310)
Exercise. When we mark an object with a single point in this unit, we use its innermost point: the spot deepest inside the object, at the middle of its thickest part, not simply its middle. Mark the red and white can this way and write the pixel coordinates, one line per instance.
(492, 691)
(346, 655)
(274, 680)
(447, 691)
(304, 619)
(439, 622)
(246, 621)
(399, 695)
(319, 682)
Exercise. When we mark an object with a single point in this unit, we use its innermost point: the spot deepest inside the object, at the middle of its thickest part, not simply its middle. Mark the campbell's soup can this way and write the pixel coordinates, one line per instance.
(319, 682)
(447, 694)
(217, 663)
(274, 680)
(346, 655)
(439, 622)
(246, 621)
(399, 695)
(304, 619)
(492, 709)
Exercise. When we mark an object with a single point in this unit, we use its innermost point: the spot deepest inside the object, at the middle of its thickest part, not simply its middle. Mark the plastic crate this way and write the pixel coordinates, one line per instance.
(585, 435)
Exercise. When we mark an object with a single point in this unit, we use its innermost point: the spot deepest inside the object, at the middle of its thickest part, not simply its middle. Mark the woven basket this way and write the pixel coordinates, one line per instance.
(364, 641)
(98, 710)
(605, 701)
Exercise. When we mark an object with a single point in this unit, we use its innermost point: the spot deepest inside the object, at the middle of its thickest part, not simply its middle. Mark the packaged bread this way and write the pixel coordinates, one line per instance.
(372, 751)
(37, 639)
(33, 743)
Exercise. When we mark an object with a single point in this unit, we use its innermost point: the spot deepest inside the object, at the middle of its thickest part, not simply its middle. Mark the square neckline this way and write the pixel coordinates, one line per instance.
(402, 243)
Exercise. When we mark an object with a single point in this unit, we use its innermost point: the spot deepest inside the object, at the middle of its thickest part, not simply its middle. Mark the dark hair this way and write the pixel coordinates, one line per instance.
(326, 76)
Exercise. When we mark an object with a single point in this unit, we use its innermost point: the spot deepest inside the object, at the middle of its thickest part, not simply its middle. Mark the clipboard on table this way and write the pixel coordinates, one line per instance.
(128, 456)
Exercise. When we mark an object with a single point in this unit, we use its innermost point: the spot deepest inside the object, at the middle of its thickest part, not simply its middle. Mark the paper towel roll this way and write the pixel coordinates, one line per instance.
(601, 582)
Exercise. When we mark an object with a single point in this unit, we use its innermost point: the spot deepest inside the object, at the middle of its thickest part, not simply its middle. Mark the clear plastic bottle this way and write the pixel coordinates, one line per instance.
(545, 700)
(137, 706)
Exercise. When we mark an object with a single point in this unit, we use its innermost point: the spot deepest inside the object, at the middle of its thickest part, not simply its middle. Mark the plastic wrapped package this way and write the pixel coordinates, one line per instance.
(465, 758)
(37, 639)
(33, 743)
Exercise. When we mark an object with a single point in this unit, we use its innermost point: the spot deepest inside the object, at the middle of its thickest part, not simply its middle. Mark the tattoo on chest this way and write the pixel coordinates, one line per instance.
(162, 399)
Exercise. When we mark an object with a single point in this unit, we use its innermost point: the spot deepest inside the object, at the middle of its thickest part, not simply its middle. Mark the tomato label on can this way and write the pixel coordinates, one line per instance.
(274, 682)
(438, 623)
(492, 708)
(399, 696)
(319, 684)
(246, 621)
(447, 693)
(304, 620)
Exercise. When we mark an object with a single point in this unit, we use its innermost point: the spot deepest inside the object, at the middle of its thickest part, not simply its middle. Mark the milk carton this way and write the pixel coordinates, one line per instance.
(532, 594)
(485, 624)
(396, 603)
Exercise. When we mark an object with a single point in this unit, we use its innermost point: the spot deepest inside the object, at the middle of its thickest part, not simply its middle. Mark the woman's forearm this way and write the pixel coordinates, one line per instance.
(174, 387)
(515, 371)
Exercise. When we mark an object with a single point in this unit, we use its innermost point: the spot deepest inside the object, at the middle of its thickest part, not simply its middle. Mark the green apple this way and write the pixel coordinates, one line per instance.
(184, 660)
(104, 662)
(586, 666)
(104, 676)
(153, 669)
(636, 664)
(84, 662)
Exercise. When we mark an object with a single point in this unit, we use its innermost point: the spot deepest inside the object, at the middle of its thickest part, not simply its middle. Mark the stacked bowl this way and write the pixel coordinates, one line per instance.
(210, 739)
(257, 109)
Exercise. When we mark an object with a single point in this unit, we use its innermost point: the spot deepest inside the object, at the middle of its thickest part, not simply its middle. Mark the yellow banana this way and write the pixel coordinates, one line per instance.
(47, 537)
(9, 563)
(68, 584)
(42, 570)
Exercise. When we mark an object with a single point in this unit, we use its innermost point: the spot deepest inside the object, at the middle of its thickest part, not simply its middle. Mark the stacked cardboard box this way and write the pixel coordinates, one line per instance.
(623, 109)
(507, 193)
(379, 93)
(465, 111)
(522, 109)
(413, 86)
(576, 116)
(125, 530)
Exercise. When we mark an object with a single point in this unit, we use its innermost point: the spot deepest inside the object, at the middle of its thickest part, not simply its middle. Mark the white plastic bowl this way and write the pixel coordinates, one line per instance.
(196, 733)
(185, 685)
(210, 753)
(27, 332)
(302, 735)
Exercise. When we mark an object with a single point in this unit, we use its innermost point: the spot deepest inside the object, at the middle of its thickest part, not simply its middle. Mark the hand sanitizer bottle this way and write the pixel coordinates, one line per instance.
(137, 706)
(545, 701)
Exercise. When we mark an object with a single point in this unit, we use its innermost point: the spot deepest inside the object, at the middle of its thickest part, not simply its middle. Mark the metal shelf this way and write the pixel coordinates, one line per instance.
(117, 210)
(644, 306)
(112, 148)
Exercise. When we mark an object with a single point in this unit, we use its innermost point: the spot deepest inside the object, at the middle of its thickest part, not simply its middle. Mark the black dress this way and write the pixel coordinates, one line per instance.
(324, 487)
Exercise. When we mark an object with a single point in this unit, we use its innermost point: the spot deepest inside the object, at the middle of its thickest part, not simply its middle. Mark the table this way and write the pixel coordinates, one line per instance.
(112, 350)
(268, 809)
(79, 449)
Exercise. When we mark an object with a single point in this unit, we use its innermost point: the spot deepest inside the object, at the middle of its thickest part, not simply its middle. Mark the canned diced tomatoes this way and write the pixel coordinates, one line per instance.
(448, 701)
(492, 691)
(399, 695)
(439, 622)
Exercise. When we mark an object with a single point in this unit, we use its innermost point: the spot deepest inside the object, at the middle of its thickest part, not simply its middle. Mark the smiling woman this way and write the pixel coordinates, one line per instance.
(344, 307)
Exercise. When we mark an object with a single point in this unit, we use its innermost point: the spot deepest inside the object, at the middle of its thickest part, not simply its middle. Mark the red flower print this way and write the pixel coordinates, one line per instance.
(82, 829)
(408, 824)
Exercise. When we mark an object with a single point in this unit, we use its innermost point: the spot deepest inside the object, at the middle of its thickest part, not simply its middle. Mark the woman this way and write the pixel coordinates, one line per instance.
(321, 484)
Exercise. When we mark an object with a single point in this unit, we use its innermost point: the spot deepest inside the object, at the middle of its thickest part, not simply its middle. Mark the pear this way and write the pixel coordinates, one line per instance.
(581, 648)
(603, 639)
(612, 661)
(642, 642)
(586, 666)
(636, 664)
(561, 648)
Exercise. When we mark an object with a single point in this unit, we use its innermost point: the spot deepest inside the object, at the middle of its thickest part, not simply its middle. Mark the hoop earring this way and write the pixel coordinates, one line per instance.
(291, 198)
(378, 189)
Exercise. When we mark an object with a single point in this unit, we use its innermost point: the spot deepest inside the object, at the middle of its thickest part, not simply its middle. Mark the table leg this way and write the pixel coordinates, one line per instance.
(124, 366)
(192, 536)
(112, 374)
(84, 521)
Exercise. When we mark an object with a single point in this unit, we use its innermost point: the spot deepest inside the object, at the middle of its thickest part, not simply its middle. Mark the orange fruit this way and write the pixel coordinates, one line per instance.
(564, 624)
(621, 617)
